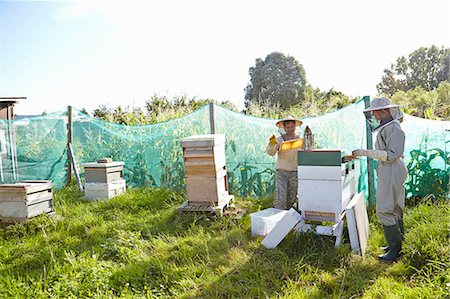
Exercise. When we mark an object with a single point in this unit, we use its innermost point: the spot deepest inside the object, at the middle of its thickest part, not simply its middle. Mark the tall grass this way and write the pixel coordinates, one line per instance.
(138, 246)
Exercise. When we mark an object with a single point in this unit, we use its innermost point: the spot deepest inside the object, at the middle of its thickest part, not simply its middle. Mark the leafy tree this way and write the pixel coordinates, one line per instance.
(425, 68)
(276, 80)
(419, 102)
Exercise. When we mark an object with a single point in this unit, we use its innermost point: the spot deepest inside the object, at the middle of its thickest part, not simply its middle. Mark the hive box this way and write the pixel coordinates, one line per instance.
(103, 172)
(325, 184)
(205, 169)
(103, 180)
(24, 200)
(264, 221)
(97, 191)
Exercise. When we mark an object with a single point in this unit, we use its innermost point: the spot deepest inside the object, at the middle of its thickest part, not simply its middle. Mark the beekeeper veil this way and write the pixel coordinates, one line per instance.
(380, 104)
(280, 124)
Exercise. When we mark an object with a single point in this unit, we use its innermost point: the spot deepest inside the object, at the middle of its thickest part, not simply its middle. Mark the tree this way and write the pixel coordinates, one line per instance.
(425, 68)
(276, 80)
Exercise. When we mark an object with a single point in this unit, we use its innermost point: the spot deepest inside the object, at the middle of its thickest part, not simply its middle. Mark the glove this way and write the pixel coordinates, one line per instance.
(272, 140)
(374, 154)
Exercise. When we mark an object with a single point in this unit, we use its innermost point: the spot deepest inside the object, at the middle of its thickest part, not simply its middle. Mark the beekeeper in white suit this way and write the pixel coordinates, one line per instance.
(385, 118)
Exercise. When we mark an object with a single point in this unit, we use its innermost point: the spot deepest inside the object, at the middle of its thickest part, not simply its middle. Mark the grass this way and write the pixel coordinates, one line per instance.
(138, 246)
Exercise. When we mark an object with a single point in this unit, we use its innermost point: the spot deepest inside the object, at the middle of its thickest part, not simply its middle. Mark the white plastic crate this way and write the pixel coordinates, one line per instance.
(264, 221)
(96, 191)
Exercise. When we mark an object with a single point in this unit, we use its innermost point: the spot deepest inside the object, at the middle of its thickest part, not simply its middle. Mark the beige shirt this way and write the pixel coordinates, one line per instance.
(287, 160)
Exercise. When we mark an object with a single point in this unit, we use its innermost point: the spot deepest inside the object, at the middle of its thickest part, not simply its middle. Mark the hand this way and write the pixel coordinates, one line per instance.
(358, 153)
(272, 140)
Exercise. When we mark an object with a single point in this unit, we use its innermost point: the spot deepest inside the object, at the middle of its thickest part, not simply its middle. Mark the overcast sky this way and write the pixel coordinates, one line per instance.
(121, 53)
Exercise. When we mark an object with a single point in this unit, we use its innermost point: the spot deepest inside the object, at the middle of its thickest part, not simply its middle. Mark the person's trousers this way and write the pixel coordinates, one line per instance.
(286, 184)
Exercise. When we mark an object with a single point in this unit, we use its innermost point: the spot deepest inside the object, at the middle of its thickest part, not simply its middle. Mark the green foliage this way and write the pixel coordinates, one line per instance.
(425, 68)
(158, 109)
(433, 104)
(276, 80)
(315, 103)
(425, 179)
(137, 246)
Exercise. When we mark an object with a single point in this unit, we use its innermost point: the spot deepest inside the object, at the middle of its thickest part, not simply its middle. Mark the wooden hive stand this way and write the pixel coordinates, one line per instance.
(206, 174)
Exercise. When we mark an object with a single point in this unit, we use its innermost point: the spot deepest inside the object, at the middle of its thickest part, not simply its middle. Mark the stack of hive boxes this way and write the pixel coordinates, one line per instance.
(24, 200)
(205, 169)
(325, 184)
(104, 179)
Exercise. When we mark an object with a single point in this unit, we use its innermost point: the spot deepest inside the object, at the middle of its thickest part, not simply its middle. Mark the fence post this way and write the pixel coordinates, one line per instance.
(211, 118)
(369, 144)
(69, 141)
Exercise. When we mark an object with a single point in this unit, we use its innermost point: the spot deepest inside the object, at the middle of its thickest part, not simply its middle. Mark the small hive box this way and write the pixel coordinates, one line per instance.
(205, 169)
(24, 200)
(264, 221)
(325, 184)
(104, 179)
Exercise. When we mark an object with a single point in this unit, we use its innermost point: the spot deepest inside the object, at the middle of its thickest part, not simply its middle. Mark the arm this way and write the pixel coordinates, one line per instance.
(374, 154)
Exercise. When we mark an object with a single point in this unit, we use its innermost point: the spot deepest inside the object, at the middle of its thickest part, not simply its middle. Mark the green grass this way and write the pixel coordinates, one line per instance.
(138, 246)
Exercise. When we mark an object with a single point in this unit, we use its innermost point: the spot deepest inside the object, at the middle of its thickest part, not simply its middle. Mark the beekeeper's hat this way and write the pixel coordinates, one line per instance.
(380, 103)
(280, 123)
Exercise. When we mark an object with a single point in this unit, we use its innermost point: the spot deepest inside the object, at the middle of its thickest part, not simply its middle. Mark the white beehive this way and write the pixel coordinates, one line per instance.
(104, 179)
(325, 185)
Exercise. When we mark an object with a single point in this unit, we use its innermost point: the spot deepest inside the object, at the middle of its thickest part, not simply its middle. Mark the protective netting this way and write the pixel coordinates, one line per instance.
(153, 156)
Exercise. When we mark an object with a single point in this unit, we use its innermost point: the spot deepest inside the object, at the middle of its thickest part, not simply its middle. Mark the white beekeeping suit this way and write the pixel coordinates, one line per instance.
(391, 171)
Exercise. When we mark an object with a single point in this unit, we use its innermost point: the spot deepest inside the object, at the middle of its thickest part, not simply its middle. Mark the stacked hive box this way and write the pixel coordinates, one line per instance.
(325, 184)
(24, 200)
(205, 167)
(104, 179)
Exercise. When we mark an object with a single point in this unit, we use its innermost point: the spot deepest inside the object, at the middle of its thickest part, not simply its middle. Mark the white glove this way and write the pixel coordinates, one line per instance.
(374, 154)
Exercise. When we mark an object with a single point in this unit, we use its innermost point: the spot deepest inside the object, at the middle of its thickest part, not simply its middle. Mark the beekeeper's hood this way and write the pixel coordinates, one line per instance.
(380, 104)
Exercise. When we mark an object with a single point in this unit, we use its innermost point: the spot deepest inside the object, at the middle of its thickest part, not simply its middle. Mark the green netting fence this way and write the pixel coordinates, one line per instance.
(153, 156)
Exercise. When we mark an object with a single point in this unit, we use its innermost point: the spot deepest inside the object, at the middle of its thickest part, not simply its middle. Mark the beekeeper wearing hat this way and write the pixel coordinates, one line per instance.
(384, 118)
(286, 180)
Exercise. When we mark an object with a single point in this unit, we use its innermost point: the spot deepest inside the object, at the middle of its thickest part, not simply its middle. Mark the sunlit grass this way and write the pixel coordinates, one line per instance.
(138, 246)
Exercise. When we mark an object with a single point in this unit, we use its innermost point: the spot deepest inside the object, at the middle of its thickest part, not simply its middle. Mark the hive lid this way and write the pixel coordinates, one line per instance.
(27, 186)
(320, 158)
(102, 165)
(203, 140)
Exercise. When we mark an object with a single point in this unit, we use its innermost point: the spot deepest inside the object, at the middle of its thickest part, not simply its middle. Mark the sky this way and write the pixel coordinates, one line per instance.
(86, 54)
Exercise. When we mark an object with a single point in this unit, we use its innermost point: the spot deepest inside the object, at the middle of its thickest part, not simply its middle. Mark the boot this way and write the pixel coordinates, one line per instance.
(394, 238)
(402, 231)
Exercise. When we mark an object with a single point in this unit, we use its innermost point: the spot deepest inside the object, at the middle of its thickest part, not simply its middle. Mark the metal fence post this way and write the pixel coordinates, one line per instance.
(370, 173)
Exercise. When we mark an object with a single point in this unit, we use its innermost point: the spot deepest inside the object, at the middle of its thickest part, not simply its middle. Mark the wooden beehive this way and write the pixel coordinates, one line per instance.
(325, 184)
(103, 172)
(104, 179)
(205, 169)
(24, 200)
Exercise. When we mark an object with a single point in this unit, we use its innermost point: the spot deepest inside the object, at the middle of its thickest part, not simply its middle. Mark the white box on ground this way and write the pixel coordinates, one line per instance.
(264, 221)
(283, 227)
(96, 191)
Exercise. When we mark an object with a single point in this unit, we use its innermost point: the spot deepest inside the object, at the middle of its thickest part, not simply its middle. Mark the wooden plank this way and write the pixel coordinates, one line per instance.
(27, 198)
(198, 153)
(206, 207)
(212, 126)
(26, 187)
(75, 168)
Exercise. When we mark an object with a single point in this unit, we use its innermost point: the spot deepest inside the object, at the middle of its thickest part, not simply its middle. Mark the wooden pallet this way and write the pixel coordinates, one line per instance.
(205, 207)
